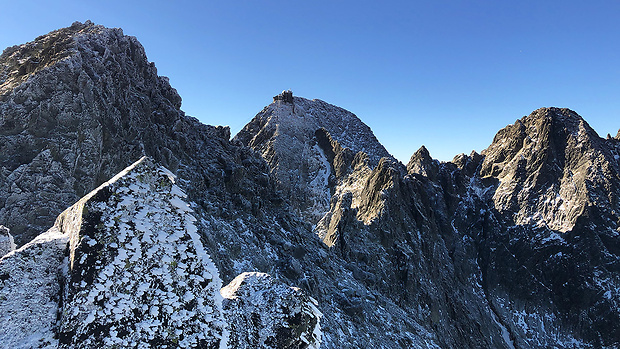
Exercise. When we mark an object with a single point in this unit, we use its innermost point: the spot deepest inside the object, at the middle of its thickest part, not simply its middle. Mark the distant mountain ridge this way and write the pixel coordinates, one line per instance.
(323, 238)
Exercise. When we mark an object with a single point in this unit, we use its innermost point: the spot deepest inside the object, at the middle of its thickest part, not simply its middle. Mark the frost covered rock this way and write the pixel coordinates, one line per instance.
(7, 244)
(30, 291)
(552, 224)
(265, 313)
(284, 133)
(551, 165)
(139, 275)
(77, 106)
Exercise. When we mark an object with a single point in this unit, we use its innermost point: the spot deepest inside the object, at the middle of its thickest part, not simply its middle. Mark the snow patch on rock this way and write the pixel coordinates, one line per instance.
(7, 244)
(139, 272)
(29, 292)
(265, 313)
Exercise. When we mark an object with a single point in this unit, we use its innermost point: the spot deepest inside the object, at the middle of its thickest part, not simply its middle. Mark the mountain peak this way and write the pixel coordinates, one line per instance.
(19, 62)
(422, 163)
(551, 153)
(285, 134)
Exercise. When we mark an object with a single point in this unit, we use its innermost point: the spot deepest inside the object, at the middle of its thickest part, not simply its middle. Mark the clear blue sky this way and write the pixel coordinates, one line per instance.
(446, 74)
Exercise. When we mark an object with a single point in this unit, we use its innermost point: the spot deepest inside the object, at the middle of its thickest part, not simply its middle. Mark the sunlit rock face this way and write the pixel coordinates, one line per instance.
(323, 239)
(551, 165)
(554, 228)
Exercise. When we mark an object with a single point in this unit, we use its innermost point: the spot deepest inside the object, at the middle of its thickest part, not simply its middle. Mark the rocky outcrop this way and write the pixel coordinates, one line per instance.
(551, 165)
(264, 313)
(423, 164)
(138, 272)
(7, 243)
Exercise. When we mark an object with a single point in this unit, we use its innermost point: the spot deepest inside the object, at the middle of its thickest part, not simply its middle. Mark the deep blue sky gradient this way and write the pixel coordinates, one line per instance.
(446, 74)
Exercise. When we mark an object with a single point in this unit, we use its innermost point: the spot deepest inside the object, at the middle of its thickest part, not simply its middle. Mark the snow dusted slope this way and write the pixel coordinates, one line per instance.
(281, 316)
(125, 267)
(138, 273)
(30, 288)
(284, 134)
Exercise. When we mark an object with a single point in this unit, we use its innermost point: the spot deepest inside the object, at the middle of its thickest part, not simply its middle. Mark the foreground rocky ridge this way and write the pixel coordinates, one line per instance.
(125, 267)
(514, 247)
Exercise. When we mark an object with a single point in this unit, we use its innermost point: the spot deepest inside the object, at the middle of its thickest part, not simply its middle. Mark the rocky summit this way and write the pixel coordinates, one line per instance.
(125, 223)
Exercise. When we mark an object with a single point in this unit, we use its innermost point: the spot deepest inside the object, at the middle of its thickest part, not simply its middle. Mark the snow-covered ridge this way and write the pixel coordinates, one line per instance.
(137, 275)
(30, 288)
(139, 271)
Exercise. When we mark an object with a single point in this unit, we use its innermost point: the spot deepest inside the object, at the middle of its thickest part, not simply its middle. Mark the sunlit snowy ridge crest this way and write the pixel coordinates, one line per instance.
(139, 269)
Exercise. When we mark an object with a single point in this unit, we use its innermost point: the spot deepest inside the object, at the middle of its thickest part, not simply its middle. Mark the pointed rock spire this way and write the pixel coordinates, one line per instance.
(423, 164)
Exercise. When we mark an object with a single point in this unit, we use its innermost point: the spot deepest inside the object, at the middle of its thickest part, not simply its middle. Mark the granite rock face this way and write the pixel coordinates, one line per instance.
(514, 247)
(284, 133)
(78, 105)
(549, 243)
(138, 272)
(322, 237)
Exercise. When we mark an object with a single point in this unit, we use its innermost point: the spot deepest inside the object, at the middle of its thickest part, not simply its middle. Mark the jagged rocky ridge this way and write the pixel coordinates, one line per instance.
(244, 224)
(514, 247)
(125, 267)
